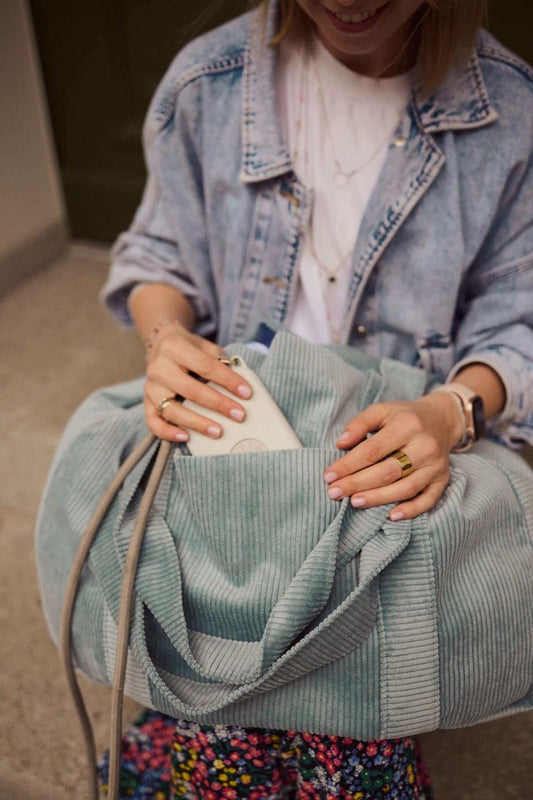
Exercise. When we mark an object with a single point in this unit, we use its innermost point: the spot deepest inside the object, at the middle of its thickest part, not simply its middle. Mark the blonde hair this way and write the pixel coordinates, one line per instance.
(446, 36)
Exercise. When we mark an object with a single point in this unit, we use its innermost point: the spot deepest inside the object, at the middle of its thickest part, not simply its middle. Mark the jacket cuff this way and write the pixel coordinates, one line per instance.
(513, 426)
(116, 293)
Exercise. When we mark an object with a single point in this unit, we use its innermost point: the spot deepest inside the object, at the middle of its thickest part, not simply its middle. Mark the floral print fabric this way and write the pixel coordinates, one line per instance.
(164, 758)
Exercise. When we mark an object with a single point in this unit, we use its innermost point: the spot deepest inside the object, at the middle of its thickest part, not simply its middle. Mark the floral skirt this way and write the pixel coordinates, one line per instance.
(164, 758)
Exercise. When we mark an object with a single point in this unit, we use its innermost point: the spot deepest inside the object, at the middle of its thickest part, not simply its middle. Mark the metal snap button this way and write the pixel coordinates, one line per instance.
(271, 279)
(362, 330)
(400, 141)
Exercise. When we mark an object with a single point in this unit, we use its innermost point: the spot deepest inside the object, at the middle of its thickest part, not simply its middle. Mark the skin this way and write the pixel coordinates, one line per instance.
(425, 429)
(175, 352)
(388, 48)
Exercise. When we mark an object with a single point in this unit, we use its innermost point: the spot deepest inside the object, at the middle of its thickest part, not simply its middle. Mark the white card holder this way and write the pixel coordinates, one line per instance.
(264, 428)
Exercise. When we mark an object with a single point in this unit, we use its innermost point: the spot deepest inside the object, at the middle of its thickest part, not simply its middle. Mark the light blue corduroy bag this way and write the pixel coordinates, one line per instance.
(259, 601)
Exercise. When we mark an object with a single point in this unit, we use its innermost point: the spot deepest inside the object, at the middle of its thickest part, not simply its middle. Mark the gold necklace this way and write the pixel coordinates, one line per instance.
(330, 274)
(342, 176)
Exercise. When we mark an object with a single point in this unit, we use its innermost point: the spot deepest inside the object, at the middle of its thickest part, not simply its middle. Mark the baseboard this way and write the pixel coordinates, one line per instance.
(23, 261)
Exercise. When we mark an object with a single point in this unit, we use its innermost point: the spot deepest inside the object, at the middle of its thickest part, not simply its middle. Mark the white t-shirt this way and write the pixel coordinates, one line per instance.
(347, 125)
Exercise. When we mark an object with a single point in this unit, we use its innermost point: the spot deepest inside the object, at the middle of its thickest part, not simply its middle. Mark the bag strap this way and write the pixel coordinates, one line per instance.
(338, 645)
(128, 580)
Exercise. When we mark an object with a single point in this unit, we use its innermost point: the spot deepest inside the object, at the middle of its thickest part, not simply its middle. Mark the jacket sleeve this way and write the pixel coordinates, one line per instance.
(167, 240)
(496, 318)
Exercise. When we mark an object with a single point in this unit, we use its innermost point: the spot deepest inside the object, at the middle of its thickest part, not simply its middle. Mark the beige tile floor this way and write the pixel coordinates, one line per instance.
(57, 345)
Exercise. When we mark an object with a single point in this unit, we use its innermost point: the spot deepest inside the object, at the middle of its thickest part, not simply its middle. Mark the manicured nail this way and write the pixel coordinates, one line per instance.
(344, 437)
(358, 502)
(396, 515)
(244, 391)
(335, 494)
(182, 437)
(329, 477)
(214, 431)
(237, 414)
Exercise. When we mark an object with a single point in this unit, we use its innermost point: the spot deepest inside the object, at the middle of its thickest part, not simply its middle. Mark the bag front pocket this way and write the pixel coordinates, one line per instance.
(257, 538)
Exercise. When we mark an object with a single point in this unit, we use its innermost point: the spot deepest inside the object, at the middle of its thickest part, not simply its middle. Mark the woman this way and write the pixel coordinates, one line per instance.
(354, 171)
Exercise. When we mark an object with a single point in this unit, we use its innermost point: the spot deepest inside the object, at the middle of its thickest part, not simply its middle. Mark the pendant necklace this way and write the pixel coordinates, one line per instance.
(342, 176)
(329, 275)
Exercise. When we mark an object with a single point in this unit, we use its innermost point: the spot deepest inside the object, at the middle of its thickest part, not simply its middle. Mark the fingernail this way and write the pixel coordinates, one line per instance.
(396, 515)
(358, 502)
(214, 431)
(182, 437)
(344, 437)
(335, 494)
(244, 391)
(237, 414)
(329, 477)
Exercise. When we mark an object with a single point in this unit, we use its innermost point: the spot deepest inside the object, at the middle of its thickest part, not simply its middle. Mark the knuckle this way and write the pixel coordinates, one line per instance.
(212, 348)
(418, 485)
(391, 471)
(444, 467)
(224, 406)
(373, 453)
(166, 345)
(432, 449)
(151, 370)
(209, 369)
(412, 420)
(153, 424)
(196, 391)
(348, 484)
(218, 402)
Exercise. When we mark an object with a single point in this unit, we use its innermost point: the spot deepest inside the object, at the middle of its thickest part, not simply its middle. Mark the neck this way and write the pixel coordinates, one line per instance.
(398, 54)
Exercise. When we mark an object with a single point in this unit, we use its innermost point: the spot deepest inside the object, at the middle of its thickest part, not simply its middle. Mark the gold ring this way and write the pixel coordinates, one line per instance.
(229, 362)
(172, 398)
(404, 461)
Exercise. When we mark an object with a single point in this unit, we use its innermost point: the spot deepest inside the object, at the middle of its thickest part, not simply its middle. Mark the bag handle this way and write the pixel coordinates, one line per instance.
(338, 634)
(128, 581)
(387, 550)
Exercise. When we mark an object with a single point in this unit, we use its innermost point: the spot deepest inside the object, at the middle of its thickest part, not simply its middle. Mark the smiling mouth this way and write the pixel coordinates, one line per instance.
(357, 19)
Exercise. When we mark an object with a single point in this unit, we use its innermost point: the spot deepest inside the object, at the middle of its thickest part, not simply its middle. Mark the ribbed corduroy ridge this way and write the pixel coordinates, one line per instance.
(261, 602)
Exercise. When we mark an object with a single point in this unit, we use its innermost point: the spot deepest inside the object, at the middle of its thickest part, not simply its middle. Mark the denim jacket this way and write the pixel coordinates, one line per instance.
(443, 263)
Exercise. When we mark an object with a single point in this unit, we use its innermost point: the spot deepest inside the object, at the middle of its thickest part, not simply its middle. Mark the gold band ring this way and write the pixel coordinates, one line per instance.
(404, 461)
(229, 362)
(172, 398)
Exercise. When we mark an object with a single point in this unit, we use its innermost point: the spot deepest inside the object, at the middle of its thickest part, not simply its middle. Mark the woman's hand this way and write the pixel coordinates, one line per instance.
(175, 354)
(425, 429)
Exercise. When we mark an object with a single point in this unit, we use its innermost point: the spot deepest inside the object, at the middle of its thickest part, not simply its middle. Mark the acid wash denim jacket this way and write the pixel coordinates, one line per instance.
(443, 263)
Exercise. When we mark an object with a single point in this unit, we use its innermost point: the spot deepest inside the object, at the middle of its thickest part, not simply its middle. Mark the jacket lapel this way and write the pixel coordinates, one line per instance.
(413, 163)
(414, 159)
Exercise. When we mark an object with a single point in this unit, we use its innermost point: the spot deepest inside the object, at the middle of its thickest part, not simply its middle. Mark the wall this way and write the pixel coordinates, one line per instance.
(32, 216)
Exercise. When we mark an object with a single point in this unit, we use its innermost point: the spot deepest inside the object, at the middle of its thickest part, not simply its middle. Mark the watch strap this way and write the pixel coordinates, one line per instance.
(465, 398)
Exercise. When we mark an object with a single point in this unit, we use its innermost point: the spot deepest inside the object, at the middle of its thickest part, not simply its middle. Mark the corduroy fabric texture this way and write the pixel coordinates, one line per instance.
(261, 602)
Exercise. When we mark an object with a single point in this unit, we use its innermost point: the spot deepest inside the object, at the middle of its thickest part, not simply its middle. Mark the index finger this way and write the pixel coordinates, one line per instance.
(366, 454)
(211, 368)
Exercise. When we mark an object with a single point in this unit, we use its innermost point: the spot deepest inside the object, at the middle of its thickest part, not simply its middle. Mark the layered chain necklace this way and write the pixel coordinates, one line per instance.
(329, 272)
(343, 176)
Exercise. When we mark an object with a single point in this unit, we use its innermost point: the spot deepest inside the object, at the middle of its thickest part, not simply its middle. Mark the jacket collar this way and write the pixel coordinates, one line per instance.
(461, 103)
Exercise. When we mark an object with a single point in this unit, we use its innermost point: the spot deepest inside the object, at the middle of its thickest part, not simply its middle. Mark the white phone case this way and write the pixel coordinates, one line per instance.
(264, 428)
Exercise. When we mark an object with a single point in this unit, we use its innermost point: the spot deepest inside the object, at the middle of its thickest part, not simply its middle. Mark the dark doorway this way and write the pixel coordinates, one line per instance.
(102, 60)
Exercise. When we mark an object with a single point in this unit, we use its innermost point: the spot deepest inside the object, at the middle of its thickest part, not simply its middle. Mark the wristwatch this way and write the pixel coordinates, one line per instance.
(471, 406)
